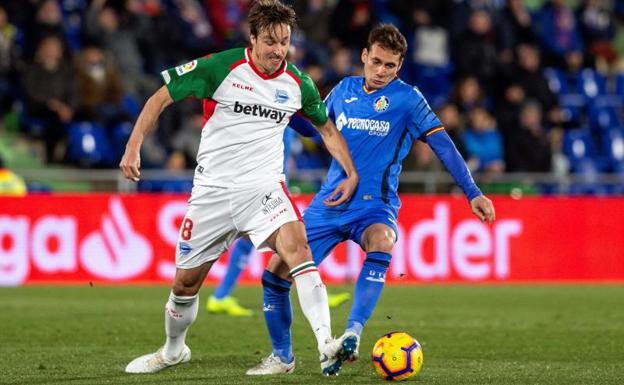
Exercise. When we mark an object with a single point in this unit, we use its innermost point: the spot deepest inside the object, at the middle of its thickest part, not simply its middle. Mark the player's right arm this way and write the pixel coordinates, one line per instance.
(131, 160)
(198, 78)
(337, 147)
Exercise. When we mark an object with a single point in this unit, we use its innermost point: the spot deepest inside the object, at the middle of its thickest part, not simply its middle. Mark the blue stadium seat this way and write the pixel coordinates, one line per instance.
(573, 107)
(613, 150)
(579, 148)
(88, 145)
(591, 83)
(605, 113)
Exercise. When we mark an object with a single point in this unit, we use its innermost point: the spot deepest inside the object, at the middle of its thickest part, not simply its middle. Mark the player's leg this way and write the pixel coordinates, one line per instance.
(206, 232)
(272, 221)
(323, 236)
(290, 243)
(221, 301)
(180, 313)
(377, 240)
(277, 311)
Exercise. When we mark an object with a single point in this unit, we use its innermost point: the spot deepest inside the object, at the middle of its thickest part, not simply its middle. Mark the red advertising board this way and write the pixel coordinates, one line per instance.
(132, 238)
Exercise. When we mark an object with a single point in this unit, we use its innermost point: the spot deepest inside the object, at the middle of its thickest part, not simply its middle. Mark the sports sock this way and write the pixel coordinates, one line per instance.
(278, 314)
(180, 312)
(368, 288)
(238, 260)
(313, 300)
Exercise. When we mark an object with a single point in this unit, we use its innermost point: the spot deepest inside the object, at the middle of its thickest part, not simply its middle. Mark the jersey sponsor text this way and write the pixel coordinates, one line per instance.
(257, 110)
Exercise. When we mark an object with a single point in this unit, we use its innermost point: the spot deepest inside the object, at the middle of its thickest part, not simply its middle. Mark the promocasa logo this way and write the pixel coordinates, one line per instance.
(257, 110)
(372, 126)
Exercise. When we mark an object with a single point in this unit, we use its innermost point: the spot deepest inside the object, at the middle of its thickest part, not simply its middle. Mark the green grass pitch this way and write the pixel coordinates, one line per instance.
(471, 334)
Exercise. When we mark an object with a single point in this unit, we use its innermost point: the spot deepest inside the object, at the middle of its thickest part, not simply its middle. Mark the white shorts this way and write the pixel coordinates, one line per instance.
(216, 216)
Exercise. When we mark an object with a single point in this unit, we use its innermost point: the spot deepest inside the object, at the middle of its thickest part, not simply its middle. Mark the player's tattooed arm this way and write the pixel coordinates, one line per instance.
(131, 160)
(337, 147)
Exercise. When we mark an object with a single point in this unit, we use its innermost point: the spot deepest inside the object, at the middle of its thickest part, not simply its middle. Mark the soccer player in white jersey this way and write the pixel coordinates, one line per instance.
(238, 188)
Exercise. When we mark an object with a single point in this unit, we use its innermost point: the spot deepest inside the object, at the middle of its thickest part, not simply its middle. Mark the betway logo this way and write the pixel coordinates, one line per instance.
(374, 127)
(256, 110)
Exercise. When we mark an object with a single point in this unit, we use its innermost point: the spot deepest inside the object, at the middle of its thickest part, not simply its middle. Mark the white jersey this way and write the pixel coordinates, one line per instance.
(245, 114)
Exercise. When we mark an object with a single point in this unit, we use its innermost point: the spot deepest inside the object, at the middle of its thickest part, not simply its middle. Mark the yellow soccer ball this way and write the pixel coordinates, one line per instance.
(397, 356)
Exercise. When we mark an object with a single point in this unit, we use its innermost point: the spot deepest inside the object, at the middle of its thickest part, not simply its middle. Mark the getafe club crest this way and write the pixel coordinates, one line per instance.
(281, 96)
(381, 104)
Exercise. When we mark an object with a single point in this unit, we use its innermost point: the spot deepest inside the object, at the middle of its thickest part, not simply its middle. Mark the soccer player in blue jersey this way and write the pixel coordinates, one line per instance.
(379, 116)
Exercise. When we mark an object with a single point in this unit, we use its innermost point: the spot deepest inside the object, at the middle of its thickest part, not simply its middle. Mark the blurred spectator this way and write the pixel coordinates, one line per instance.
(483, 143)
(558, 32)
(48, 20)
(507, 112)
(529, 75)
(597, 31)
(351, 22)
(100, 88)
(468, 94)
(8, 59)
(51, 93)
(453, 124)
(531, 149)
(414, 14)
(228, 18)
(196, 33)
(340, 67)
(476, 51)
(314, 18)
(102, 25)
(186, 141)
(515, 28)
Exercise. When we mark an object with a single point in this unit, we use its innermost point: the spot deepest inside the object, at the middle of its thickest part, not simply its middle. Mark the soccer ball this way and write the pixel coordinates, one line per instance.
(397, 356)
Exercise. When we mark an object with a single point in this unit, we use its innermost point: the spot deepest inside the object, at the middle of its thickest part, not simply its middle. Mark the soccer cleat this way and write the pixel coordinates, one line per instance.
(155, 362)
(330, 365)
(338, 351)
(227, 305)
(271, 365)
(335, 300)
(350, 344)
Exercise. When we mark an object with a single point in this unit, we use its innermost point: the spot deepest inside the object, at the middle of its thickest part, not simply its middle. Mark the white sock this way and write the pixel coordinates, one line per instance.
(180, 313)
(313, 300)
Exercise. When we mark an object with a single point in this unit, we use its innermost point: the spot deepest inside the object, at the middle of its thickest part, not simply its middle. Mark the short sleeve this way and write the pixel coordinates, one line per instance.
(196, 78)
(311, 104)
(329, 101)
(422, 119)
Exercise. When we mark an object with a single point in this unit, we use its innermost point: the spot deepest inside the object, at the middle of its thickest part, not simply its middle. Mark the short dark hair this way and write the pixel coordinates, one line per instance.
(270, 13)
(388, 37)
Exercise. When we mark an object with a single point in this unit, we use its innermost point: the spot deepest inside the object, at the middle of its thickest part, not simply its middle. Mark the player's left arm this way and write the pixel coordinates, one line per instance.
(445, 150)
(429, 128)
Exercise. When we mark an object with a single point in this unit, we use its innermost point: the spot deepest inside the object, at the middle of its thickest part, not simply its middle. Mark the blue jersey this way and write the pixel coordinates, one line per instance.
(379, 128)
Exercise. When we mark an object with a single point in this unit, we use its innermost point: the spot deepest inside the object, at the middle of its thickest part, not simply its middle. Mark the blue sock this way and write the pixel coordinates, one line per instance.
(238, 260)
(368, 287)
(278, 314)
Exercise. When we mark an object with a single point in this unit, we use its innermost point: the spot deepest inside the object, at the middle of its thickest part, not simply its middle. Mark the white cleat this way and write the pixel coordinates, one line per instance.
(271, 365)
(330, 365)
(155, 362)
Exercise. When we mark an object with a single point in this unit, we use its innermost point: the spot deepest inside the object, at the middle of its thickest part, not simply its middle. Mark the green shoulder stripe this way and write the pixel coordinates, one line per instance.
(200, 78)
(311, 103)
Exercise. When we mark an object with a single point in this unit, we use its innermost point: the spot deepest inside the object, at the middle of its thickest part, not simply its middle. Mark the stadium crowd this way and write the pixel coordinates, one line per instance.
(521, 86)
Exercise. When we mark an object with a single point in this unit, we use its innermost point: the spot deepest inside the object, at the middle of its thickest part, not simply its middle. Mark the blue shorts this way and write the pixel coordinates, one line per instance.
(327, 227)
